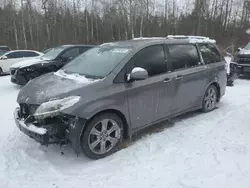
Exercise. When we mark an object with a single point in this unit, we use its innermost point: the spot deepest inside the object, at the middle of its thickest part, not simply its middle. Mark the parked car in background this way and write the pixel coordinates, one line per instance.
(53, 60)
(4, 49)
(241, 61)
(116, 89)
(12, 57)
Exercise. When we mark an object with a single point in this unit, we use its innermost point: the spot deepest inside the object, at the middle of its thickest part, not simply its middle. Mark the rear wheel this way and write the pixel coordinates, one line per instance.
(102, 136)
(210, 99)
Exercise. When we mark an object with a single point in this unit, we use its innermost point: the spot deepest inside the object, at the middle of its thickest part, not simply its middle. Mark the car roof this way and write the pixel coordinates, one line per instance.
(24, 51)
(76, 45)
(4, 48)
(171, 39)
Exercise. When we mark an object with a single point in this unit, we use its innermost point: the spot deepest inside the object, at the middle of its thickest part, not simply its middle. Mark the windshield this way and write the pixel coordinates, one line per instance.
(47, 50)
(2, 53)
(53, 53)
(247, 47)
(97, 62)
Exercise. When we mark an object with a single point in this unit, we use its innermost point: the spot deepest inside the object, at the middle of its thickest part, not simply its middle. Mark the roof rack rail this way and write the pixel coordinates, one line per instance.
(192, 39)
(145, 38)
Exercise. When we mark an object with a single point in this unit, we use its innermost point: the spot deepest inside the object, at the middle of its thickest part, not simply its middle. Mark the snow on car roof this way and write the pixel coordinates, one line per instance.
(145, 38)
(191, 39)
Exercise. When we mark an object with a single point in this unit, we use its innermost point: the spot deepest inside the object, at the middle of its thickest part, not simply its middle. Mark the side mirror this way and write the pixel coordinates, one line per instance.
(4, 57)
(137, 73)
(239, 49)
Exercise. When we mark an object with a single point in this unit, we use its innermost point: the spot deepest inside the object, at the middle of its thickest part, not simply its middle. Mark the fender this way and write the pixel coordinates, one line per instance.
(210, 83)
(74, 133)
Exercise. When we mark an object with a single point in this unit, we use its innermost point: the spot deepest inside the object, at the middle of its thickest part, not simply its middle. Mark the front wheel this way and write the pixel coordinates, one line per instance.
(210, 99)
(102, 136)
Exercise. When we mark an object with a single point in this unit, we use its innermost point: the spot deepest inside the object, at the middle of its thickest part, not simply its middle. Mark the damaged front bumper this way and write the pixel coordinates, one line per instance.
(44, 134)
(59, 130)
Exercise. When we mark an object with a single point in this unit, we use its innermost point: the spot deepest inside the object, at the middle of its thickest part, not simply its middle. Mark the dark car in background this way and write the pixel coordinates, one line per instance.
(240, 63)
(4, 49)
(51, 61)
(119, 88)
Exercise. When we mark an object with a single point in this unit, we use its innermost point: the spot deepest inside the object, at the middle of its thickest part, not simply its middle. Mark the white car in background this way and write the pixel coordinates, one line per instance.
(9, 58)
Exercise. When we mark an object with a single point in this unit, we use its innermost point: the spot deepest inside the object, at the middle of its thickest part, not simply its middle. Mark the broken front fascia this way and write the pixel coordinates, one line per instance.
(54, 107)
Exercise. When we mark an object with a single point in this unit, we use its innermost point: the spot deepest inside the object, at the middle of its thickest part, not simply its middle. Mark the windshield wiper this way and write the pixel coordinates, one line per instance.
(91, 76)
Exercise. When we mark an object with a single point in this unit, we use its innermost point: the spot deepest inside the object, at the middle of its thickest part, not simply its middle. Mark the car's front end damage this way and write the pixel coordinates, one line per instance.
(22, 75)
(18, 76)
(46, 123)
(49, 111)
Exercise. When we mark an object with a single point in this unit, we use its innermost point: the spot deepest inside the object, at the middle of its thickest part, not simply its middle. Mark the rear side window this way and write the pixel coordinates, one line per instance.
(14, 55)
(71, 53)
(29, 54)
(183, 56)
(152, 59)
(209, 53)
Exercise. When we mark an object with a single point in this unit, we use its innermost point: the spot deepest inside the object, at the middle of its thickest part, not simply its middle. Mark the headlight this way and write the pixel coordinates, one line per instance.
(53, 108)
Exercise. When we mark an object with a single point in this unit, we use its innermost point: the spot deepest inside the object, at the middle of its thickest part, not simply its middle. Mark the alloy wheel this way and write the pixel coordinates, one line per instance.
(104, 136)
(210, 99)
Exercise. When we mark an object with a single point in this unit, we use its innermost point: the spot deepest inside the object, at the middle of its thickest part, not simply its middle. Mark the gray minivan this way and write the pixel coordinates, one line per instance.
(115, 89)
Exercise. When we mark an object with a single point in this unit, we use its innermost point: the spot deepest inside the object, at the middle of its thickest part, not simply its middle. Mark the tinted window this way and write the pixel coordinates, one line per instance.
(83, 49)
(152, 59)
(14, 55)
(183, 56)
(29, 54)
(209, 53)
(71, 53)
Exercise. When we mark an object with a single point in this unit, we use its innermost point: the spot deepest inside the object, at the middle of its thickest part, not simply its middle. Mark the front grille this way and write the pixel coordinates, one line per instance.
(27, 110)
(245, 60)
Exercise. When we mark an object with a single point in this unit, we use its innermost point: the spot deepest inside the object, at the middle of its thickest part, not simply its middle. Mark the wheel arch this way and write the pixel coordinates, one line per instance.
(216, 84)
(126, 131)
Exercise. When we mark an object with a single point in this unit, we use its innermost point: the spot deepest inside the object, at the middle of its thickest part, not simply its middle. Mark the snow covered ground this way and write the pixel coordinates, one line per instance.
(200, 151)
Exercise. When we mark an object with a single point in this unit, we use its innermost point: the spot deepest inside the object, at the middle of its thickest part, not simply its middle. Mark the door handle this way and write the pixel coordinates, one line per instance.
(179, 77)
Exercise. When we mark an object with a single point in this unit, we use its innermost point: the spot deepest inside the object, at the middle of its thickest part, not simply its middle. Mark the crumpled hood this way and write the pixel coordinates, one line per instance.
(28, 62)
(48, 87)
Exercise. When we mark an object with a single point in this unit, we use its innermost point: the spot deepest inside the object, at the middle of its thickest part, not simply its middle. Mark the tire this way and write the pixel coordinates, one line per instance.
(210, 99)
(98, 142)
(230, 83)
